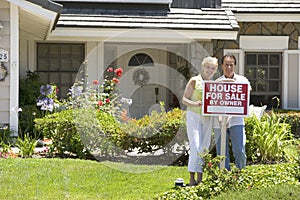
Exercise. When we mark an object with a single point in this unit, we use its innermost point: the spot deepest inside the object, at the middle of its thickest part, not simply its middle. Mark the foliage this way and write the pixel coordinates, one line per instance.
(280, 191)
(220, 181)
(26, 119)
(82, 131)
(153, 132)
(102, 96)
(269, 138)
(29, 91)
(60, 128)
(26, 145)
(293, 119)
(4, 135)
(29, 88)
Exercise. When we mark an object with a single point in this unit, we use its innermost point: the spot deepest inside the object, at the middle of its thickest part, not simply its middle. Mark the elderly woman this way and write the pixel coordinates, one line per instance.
(199, 128)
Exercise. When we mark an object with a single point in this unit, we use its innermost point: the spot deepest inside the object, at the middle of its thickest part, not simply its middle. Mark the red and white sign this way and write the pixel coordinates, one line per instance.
(225, 98)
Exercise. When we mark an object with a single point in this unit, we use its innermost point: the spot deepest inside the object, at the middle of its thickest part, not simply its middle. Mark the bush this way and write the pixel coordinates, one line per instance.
(293, 119)
(84, 131)
(269, 139)
(280, 191)
(60, 128)
(155, 131)
(29, 91)
(248, 179)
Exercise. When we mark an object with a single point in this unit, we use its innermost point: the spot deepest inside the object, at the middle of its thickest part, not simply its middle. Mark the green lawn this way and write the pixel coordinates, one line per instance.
(83, 179)
(57, 179)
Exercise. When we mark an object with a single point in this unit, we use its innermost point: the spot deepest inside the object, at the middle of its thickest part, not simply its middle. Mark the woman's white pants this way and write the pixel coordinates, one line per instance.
(199, 129)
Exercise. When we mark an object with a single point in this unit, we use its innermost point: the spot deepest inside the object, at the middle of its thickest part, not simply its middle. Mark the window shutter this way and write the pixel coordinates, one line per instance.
(291, 79)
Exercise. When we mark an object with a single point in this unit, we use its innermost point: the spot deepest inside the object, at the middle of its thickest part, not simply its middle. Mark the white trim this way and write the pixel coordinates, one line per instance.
(125, 1)
(264, 42)
(274, 17)
(14, 69)
(139, 35)
(285, 77)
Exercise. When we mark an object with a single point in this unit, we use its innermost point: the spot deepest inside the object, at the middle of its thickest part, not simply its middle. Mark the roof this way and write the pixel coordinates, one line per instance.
(262, 6)
(189, 19)
(48, 4)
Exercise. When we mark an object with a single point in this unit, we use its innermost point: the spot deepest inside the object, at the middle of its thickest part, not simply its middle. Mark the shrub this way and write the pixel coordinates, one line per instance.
(269, 139)
(293, 119)
(29, 88)
(83, 131)
(247, 179)
(155, 131)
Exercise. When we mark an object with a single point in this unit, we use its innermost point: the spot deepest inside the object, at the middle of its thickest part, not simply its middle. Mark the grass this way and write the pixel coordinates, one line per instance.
(55, 178)
(83, 179)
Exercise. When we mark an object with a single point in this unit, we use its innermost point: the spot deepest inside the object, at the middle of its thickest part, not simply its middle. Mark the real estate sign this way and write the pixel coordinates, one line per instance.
(225, 98)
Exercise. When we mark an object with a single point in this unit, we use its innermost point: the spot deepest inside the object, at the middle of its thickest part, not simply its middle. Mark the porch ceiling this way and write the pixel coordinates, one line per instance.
(33, 26)
(37, 17)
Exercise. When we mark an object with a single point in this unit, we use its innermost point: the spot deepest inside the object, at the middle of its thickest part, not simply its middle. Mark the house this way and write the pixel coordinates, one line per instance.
(158, 43)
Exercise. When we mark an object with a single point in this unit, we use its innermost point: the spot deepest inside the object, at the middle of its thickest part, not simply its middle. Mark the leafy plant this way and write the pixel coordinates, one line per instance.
(26, 145)
(271, 137)
(29, 88)
(220, 181)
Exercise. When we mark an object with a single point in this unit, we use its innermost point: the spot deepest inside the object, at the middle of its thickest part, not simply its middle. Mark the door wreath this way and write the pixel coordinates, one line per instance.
(3, 72)
(140, 77)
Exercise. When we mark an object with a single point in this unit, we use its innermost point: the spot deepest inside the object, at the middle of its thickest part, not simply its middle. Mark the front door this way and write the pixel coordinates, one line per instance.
(144, 79)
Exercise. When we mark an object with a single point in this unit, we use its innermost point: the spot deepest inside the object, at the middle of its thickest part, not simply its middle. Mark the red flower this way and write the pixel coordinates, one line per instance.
(100, 103)
(115, 80)
(56, 90)
(119, 72)
(209, 164)
(110, 69)
(95, 82)
(107, 100)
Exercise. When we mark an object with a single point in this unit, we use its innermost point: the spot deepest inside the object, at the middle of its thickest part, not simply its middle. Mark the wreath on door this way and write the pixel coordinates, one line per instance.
(3, 72)
(140, 77)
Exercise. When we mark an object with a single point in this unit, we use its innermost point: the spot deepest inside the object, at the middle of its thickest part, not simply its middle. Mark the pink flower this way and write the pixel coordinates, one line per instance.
(110, 69)
(100, 103)
(95, 82)
(107, 100)
(115, 80)
(119, 72)
(209, 164)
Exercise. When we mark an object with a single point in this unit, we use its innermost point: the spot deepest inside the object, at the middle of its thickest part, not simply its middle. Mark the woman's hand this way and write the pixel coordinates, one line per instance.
(198, 103)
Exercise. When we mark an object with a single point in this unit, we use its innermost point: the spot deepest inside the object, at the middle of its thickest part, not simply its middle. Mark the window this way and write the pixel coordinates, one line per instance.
(140, 59)
(264, 73)
(59, 64)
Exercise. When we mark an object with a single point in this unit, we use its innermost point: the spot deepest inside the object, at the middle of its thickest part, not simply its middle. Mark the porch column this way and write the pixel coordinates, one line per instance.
(14, 69)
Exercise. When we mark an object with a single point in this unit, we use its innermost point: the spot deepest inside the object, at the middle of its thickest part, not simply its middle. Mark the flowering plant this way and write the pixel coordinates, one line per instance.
(48, 97)
(102, 96)
(106, 92)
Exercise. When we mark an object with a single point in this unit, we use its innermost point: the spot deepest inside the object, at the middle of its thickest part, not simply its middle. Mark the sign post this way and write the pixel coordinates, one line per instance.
(225, 99)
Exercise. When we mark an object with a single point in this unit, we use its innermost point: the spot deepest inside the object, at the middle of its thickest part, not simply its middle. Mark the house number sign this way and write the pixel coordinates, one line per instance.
(3, 55)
